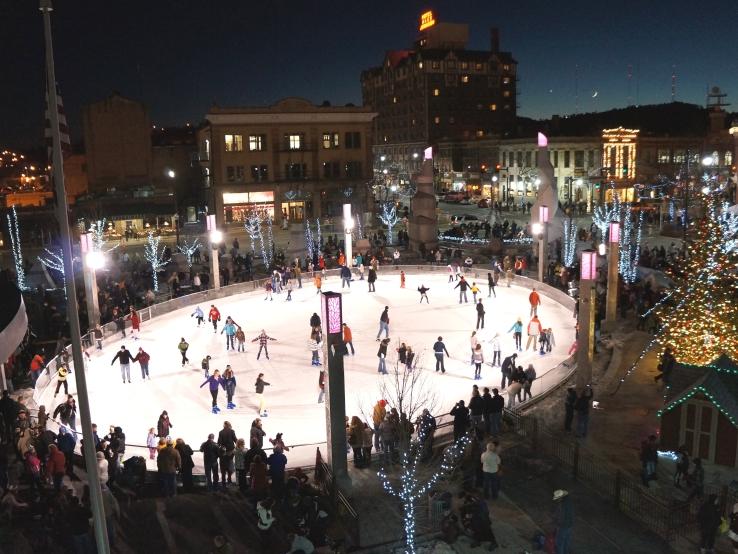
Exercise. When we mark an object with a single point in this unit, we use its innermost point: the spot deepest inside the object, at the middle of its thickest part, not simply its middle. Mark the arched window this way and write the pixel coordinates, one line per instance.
(728, 157)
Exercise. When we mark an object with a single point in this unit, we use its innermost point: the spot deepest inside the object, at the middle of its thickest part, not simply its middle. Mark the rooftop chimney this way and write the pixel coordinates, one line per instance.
(494, 35)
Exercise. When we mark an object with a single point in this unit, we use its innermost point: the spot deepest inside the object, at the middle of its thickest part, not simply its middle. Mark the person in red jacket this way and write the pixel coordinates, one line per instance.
(55, 466)
(37, 364)
(535, 300)
(143, 358)
(135, 323)
(214, 317)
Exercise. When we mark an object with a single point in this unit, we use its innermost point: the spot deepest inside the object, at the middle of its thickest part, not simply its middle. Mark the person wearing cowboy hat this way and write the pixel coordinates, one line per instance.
(564, 519)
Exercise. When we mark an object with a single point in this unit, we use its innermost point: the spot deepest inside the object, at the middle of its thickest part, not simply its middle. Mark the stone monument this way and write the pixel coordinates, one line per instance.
(423, 227)
(548, 194)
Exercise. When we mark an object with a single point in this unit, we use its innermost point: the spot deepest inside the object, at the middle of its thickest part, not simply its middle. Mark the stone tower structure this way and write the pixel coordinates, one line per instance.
(423, 227)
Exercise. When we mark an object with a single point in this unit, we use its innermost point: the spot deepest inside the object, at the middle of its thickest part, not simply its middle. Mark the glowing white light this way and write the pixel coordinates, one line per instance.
(536, 228)
(171, 174)
(602, 249)
(95, 260)
(216, 236)
(708, 160)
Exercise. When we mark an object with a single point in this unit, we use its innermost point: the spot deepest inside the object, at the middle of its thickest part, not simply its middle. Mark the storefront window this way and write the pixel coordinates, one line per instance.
(237, 205)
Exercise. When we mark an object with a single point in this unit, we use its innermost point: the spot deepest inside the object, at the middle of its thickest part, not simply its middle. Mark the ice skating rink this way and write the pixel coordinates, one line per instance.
(291, 398)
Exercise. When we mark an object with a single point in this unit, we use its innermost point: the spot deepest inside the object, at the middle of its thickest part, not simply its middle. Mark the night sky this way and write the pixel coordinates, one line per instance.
(181, 56)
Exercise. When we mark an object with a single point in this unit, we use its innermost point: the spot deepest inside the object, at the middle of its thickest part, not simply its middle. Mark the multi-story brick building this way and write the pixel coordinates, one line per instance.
(293, 159)
(439, 90)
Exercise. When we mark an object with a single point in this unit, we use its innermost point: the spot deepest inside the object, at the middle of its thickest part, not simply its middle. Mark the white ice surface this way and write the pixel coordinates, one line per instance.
(292, 396)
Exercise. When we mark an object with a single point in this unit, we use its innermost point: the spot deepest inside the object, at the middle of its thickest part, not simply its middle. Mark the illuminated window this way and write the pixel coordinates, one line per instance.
(493, 107)
(728, 157)
(394, 99)
(420, 65)
(663, 156)
(680, 157)
(257, 143)
(506, 80)
(465, 78)
(505, 67)
(330, 140)
(436, 120)
(436, 92)
(478, 67)
(464, 65)
(480, 133)
(506, 94)
(295, 141)
(435, 65)
(233, 143)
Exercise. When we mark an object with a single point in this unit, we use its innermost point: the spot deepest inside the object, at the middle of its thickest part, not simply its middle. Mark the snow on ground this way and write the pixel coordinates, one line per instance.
(292, 395)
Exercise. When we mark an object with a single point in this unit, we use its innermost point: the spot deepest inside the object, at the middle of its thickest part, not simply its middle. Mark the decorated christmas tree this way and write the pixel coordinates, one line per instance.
(699, 319)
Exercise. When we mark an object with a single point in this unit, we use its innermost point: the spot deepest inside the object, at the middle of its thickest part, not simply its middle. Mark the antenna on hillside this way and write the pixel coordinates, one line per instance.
(576, 88)
(673, 83)
(638, 84)
(630, 83)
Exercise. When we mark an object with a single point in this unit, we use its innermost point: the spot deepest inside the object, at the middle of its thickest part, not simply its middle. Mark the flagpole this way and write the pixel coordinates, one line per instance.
(89, 454)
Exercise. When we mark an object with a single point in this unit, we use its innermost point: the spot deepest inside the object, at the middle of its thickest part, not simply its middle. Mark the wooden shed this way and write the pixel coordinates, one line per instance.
(701, 411)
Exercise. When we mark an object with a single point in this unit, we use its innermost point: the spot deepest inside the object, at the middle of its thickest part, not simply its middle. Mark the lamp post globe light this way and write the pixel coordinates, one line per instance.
(215, 237)
(92, 261)
(348, 228)
(540, 230)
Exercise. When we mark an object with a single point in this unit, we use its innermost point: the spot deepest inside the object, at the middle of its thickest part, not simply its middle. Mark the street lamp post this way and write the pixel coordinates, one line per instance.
(88, 447)
(585, 338)
(611, 308)
(92, 260)
(215, 237)
(348, 227)
(540, 229)
(335, 406)
(172, 175)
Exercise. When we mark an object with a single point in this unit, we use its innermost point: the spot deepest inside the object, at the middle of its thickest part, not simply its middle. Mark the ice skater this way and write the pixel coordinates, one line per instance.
(206, 366)
(241, 339)
(371, 279)
(230, 331)
(402, 279)
(268, 287)
(496, 350)
(214, 381)
(517, 331)
(491, 285)
(478, 359)
(125, 363)
(135, 323)
(438, 349)
(345, 277)
(214, 317)
(423, 290)
(263, 338)
(348, 339)
(183, 346)
(474, 290)
(382, 355)
(318, 280)
(199, 315)
(259, 389)
(143, 357)
(384, 323)
(480, 314)
(462, 285)
(229, 384)
(314, 346)
(290, 285)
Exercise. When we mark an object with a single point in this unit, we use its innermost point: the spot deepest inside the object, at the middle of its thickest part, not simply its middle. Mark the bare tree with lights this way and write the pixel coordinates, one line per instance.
(604, 214)
(389, 217)
(188, 249)
(53, 259)
(630, 243)
(410, 393)
(569, 244)
(15, 244)
(154, 254)
(99, 242)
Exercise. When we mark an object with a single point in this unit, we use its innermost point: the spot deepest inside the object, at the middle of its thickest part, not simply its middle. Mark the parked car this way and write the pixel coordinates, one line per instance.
(464, 218)
(454, 197)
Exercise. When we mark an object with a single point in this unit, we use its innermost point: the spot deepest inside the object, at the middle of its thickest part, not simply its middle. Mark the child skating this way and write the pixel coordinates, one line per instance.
(259, 389)
(213, 382)
(151, 442)
(263, 338)
(268, 287)
(241, 339)
(206, 366)
(198, 315)
(423, 290)
(229, 381)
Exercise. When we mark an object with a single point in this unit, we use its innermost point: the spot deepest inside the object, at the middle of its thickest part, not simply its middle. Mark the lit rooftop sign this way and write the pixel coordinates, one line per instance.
(426, 20)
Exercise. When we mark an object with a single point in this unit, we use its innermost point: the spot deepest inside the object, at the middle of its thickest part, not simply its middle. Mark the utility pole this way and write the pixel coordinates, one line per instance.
(88, 448)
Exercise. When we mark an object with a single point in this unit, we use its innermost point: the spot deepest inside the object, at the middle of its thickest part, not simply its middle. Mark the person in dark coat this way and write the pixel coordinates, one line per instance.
(372, 279)
(185, 453)
(227, 443)
(460, 413)
(210, 452)
(163, 426)
(569, 402)
(709, 519)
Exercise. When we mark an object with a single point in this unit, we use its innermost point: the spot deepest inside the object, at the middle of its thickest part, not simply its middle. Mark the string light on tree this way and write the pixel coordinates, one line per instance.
(389, 217)
(155, 256)
(270, 239)
(54, 260)
(99, 241)
(252, 224)
(309, 239)
(569, 244)
(604, 214)
(630, 244)
(15, 246)
(189, 249)
(319, 233)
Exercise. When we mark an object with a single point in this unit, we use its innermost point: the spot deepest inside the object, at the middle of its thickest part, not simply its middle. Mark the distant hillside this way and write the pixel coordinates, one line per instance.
(674, 119)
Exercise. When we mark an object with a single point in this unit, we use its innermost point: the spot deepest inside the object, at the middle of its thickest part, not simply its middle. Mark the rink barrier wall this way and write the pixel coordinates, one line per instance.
(545, 383)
